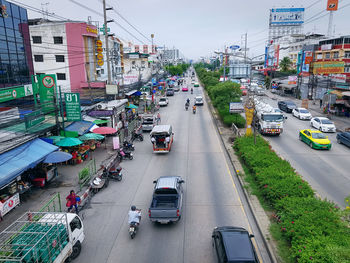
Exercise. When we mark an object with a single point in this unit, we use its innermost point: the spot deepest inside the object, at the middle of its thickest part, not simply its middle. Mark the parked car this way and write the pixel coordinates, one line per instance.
(344, 138)
(233, 244)
(286, 106)
(259, 91)
(184, 88)
(163, 101)
(315, 139)
(196, 84)
(302, 114)
(166, 205)
(323, 124)
(244, 90)
(176, 88)
(198, 100)
(170, 92)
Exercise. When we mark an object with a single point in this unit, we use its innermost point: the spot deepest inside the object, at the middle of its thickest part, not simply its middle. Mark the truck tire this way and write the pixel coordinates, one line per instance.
(76, 250)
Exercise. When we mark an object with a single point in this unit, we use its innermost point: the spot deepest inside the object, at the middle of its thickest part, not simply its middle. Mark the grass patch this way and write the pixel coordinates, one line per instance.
(282, 245)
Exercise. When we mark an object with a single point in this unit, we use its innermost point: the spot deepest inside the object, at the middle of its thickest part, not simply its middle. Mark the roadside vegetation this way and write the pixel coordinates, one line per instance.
(221, 94)
(177, 70)
(308, 229)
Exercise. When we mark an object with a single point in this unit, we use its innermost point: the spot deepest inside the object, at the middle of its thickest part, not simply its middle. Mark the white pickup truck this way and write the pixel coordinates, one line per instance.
(42, 237)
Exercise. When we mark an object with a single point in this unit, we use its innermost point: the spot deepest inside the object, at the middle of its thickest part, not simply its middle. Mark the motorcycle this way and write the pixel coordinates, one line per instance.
(191, 91)
(124, 155)
(194, 111)
(128, 146)
(115, 174)
(133, 227)
(136, 136)
(186, 106)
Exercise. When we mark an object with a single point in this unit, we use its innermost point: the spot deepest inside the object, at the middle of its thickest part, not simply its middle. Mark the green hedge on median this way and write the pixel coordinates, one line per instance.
(316, 230)
(221, 94)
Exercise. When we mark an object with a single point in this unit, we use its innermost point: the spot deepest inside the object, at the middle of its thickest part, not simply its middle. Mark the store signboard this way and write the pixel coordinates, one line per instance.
(236, 107)
(332, 5)
(341, 78)
(34, 118)
(326, 47)
(129, 79)
(330, 67)
(287, 16)
(73, 109)
(10, 204)
(47, 85)
(111, 89)
(15, 92)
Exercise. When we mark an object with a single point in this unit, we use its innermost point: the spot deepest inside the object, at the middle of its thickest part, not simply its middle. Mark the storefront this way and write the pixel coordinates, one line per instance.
(14, 166)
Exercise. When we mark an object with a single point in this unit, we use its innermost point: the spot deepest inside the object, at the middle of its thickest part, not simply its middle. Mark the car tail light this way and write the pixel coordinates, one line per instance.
(149, 212)
(177, 212)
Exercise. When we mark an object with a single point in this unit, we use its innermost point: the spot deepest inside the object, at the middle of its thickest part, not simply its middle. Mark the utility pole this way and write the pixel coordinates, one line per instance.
(106, 38)
(245, 48)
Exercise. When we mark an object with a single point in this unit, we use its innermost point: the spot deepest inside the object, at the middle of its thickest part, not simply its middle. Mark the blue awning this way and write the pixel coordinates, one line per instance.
(81, 127)
(13, 163)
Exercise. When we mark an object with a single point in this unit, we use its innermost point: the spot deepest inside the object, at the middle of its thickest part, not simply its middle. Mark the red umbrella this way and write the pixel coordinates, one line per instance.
(104, 130)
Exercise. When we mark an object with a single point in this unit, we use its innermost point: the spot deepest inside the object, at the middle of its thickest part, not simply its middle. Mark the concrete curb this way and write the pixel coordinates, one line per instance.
(261, 219)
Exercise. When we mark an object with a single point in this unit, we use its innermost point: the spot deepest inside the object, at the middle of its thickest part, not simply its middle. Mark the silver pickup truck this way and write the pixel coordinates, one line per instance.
(167, 198)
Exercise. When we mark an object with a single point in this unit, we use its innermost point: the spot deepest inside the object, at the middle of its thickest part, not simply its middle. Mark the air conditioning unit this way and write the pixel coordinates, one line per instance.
(101, 106)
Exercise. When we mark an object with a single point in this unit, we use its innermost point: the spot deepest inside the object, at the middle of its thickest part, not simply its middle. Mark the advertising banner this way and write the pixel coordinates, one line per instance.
(341, 78)
(307, 59)
(33, 118)
(287, 16)
(331, 67)
(129, 79)
(332, 5)
(15, 93)
(10, 204)
(73, 109)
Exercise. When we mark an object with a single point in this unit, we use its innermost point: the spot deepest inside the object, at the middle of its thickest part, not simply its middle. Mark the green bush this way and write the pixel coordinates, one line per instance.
(315, 229)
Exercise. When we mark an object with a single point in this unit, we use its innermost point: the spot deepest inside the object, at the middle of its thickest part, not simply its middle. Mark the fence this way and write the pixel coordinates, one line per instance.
(236, 131)
(86, 173)
(53, 205)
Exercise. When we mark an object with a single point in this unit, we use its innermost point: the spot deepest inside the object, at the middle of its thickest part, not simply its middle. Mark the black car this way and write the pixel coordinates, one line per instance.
(170, 92)
(286, 106)
(233, 244)
(344, 138)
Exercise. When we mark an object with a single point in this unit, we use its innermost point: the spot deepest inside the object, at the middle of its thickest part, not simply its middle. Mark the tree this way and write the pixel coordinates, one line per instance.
(285, 64)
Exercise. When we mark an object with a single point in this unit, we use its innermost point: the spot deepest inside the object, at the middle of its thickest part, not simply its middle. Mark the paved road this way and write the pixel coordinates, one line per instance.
(326, 171)
(211, 197)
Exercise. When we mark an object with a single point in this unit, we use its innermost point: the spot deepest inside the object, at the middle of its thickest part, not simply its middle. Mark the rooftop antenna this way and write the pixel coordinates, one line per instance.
(45, 10)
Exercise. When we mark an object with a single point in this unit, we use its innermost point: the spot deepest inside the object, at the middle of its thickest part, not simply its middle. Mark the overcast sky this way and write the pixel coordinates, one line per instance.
(197, 27)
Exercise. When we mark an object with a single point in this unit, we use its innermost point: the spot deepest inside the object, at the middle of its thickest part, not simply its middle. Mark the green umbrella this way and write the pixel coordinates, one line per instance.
(68, 142)
(56, 139)
(91, 136)
(131, 106)
(98, 121)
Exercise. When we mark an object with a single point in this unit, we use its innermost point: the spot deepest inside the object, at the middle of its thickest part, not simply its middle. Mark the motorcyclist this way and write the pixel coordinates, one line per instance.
(194, 108)
(134, 215)
(191, 90)
(188, 101)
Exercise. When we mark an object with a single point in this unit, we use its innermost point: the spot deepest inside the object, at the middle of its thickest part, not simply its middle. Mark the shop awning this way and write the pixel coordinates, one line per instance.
(81, 127)
(13, 163)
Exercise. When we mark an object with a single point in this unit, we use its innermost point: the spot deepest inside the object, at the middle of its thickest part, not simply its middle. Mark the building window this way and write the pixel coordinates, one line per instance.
(36, 39)
(39, 58)
(319, 56)
(58, 40)
(327, 55)
(61, 76)
(347, 54)
(102, 71)
(336, 55)
(347, 69)
(59, 58)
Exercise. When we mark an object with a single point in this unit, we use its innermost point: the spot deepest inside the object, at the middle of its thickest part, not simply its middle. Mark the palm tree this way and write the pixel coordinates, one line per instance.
(285, 64)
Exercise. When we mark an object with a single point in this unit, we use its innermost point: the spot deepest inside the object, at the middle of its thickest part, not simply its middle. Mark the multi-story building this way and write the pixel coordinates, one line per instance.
(69, 49)
(333, 57)
(16, 64)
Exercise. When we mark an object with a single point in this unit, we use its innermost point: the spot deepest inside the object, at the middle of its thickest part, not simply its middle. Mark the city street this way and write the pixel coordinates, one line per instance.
(326, 171)
(211, 197)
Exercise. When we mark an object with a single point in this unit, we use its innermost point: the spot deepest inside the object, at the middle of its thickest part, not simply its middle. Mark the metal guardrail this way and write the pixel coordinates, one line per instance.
(86, 173)
(236, 131)
(53, 205)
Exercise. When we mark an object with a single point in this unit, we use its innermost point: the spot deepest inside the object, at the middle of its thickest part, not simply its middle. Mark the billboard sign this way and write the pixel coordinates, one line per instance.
(129, 79)
(47, 85)
(307, 59)
(287, 16)
(73, 110)
(332, 5)
(272, 55)
(331, 67)
(15, 92)
(341, 78)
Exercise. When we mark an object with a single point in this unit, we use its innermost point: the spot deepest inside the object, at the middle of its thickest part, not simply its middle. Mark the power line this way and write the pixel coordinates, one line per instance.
(100, 14)
(317, 1)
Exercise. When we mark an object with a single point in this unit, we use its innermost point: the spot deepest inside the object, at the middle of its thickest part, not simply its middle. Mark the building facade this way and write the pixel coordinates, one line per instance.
(70, 50)
(16, 64)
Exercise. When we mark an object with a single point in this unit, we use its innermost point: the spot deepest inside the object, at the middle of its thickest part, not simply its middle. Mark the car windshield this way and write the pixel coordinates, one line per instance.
(304, 111)
(162, 99)
(318, 135)
(326, 122)
(272, 117)
(290, 103)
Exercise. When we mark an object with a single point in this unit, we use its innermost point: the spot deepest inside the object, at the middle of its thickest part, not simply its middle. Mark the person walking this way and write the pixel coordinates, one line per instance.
(158, 118)
(320, 103)
(72, 201)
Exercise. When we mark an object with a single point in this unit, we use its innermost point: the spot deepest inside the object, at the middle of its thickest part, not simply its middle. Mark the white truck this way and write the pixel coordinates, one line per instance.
(42, 237)
(268, 120)
(148, 121)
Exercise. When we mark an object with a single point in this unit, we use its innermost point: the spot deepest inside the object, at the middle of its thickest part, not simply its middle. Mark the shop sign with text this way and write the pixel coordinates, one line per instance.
(15, 92)
(341, 78)
(47, 85)
(34, 118)
(10, 204)
(73, 109)
(331, 67)
(99, 50)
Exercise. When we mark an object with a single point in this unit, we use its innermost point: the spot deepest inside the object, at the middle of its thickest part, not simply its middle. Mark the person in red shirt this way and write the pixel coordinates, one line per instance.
(72, 198)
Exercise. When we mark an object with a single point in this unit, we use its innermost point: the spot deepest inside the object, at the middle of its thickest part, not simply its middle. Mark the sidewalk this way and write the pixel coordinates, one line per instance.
(66, 180)
(341, 123)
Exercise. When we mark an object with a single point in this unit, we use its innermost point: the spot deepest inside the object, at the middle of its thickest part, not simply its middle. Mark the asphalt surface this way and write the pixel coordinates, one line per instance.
(326, 171)
(211, 197)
